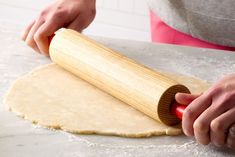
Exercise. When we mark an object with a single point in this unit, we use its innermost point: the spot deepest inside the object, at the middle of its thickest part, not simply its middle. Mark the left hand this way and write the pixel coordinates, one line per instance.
(210, 117)
(72, 14)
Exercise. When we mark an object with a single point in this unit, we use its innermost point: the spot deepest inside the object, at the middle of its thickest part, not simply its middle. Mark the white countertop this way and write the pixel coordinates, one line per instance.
(21, 138)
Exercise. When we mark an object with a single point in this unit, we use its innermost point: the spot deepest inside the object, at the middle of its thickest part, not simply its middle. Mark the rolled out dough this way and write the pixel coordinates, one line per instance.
(54, 98)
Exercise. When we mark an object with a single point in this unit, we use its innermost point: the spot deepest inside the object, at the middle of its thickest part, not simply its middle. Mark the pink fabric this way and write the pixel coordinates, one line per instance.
(162, 33)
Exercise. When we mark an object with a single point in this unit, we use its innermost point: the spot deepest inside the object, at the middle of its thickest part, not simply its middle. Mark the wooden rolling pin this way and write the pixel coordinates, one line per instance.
(144, 89)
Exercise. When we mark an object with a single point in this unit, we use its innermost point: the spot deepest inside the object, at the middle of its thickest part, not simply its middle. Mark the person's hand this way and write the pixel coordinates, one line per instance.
(210, 117)
(72, 14)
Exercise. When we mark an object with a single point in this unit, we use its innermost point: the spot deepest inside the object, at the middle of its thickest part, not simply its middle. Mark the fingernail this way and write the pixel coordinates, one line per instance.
(229, 146)
(188, 134)
(229, 143)
(217, 145)
(45, 53)
(232, 131)
(28, 41)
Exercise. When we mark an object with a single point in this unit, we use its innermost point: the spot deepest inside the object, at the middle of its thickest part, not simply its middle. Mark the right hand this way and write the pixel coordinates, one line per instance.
(72, 14)
(210, 117)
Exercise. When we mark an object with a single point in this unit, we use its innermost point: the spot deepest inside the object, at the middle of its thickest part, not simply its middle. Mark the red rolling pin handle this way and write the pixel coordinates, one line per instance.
(50, 38)
(177, 109)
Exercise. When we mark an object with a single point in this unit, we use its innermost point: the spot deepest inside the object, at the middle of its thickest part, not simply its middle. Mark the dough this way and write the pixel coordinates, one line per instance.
(55, 98)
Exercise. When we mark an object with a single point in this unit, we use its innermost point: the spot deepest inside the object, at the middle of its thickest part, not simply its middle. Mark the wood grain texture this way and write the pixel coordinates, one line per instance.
(144, 89)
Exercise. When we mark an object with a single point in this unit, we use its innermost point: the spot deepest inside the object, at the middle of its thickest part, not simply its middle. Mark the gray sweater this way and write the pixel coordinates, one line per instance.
(209, 20)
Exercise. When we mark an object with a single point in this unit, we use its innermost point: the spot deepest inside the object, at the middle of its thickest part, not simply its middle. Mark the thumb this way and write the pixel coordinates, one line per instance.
(185, 98)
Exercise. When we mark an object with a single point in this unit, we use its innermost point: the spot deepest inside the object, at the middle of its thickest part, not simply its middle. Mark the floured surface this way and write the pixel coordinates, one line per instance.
(52, 97)
(29, 140)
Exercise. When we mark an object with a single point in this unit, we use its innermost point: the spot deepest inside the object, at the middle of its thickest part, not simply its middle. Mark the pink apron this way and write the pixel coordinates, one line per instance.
(163, 33)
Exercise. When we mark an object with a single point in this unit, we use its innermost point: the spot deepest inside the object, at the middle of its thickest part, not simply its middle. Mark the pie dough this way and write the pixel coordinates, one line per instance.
(55, 98)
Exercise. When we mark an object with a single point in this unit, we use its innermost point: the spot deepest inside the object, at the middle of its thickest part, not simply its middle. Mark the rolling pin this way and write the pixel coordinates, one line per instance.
(137, 85)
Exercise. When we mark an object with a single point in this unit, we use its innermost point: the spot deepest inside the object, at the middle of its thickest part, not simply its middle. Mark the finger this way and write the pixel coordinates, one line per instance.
(25, 33)
(202, 124)
(77, 24)
(201, 129)
(42, 35)
(185, 98)
(231, 137)
(30, 38)
(219, 127)
(192, 111)
(230, 141)
(81, 22)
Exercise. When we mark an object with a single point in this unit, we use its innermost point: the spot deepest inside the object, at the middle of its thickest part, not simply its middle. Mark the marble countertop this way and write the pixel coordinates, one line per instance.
(21, 138)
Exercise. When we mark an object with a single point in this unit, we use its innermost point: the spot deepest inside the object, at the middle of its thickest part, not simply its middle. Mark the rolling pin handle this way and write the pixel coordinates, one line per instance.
(50, 38)
(177, 109)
